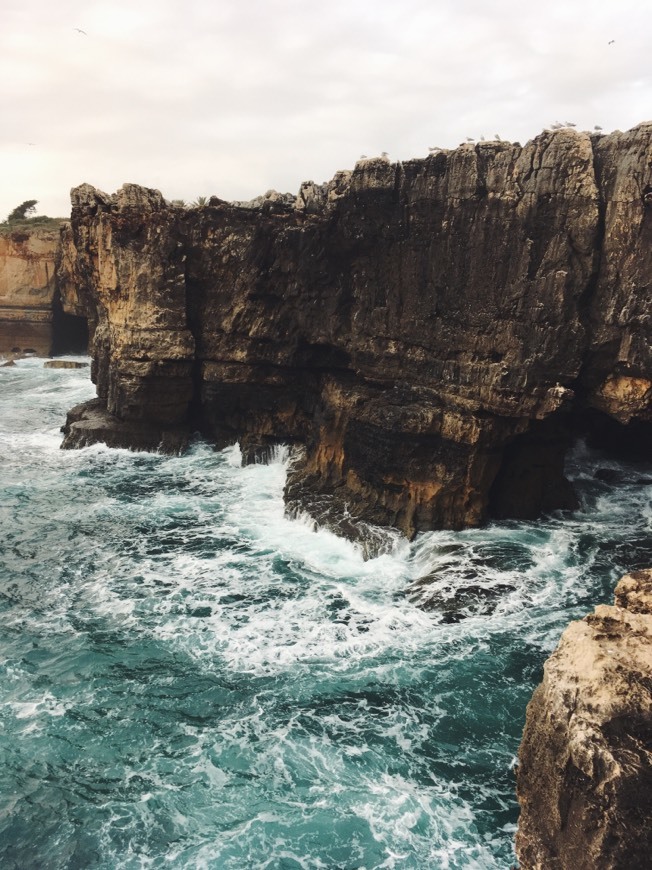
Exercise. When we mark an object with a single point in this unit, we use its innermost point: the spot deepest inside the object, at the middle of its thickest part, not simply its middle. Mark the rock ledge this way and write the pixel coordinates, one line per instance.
(585, 762)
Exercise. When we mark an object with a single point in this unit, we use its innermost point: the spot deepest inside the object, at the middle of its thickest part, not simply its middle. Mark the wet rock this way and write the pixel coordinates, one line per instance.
(90, 422)
(64, 364)
(459, 602)
(585, 761)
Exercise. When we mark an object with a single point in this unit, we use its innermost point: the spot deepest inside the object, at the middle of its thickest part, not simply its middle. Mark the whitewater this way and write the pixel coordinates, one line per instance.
(188, 678)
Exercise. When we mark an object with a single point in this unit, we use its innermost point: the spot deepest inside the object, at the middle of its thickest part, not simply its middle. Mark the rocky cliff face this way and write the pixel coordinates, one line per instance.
(423, 330)
(33, 316)
(27, 288)
(585, 763)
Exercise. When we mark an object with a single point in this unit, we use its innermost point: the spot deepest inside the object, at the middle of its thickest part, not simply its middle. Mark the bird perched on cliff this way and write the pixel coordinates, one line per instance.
(569, 124)
(497, 137)
(470, 139)
(363, 157)
(482, 138)
(556, 126)
(597, 128)
(384, 155)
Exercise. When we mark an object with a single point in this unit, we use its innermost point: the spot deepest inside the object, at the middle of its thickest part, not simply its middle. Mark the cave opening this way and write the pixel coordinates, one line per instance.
(530, 479)
(69, 332)
(629, 441)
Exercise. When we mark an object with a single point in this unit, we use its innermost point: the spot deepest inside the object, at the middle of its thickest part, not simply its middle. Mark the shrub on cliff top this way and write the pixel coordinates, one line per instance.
(21, 211)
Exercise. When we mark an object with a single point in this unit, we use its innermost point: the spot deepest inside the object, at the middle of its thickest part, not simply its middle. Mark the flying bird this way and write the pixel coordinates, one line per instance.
(79, 30)
(363, 157)
(611, 42)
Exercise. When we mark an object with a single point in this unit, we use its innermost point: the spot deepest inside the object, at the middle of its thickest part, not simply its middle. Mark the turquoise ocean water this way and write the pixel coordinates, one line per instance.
(190, 679)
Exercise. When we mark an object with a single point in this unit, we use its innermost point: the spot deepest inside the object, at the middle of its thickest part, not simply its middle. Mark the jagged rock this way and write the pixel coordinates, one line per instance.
(64, 364)
(585, 762)
(90, 423)
(423, 330)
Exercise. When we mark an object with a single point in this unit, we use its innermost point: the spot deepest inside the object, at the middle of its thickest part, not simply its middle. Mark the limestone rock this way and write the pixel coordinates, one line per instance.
(27, 288)
(585, 762)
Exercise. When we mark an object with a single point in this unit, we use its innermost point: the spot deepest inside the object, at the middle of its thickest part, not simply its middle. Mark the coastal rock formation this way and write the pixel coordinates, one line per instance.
(585, 762)
(27, 288)
(424, 332)
(33, 316)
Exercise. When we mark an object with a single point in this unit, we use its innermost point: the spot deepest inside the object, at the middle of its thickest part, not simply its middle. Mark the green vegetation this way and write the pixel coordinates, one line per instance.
(22, 211)
(23, 217)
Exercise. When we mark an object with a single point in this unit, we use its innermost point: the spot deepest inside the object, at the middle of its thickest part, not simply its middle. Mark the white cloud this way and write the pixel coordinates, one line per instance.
(233, 98)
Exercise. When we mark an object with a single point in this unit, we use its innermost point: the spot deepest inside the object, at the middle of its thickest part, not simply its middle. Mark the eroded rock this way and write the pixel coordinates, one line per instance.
(585, 762)
(423, 330)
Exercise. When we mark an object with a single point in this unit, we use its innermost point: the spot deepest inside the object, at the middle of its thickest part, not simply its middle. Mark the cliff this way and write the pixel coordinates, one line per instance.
(33, 316)
(425, 331)
(27, 288)
(585, 762)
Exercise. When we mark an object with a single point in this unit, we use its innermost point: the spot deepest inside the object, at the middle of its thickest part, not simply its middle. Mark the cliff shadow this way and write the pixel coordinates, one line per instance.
(69, 332)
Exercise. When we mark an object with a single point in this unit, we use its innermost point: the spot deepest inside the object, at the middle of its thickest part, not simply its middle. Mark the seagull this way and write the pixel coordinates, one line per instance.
(79, 30)
(32, 143)
(570, 124)
(482, 138)
(363, 157)
(497, 138)
(384, 154)
(597, 128)
(557, 126)
(611, 42)
(469, 139)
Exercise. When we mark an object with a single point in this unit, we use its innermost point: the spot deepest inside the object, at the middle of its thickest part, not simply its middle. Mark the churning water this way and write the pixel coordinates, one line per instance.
(189, 679)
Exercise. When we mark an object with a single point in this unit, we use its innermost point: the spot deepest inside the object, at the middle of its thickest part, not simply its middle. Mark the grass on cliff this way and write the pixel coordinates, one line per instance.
(32, 223)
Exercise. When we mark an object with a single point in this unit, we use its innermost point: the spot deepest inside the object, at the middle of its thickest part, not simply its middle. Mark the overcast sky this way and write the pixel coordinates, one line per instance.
(233, 97)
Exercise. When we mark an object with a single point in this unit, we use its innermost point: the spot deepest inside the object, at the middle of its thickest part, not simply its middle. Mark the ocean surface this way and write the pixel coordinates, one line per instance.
(190, 679)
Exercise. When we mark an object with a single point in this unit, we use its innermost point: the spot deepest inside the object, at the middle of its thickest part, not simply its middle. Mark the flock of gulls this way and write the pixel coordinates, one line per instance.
(434, 149)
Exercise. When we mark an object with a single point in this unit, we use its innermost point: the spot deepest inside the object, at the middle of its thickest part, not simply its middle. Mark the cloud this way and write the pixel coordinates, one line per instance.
(234, 98)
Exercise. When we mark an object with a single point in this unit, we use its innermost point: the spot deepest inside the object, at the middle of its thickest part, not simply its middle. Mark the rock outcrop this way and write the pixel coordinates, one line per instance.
(423, 331)
(585, 762)
(27, 287)
(33, 316)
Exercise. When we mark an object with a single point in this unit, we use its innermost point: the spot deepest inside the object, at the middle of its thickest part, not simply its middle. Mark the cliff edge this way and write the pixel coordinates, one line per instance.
(585, 762)
(423, 332)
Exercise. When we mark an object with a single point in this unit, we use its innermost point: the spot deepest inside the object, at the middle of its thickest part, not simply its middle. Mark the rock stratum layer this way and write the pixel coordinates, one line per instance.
(27, 289)
(423, 330)
(585, 762)
(33, 315)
